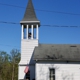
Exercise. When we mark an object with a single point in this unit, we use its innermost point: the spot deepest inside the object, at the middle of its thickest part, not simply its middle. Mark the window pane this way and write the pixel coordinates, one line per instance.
(51, 71)
(52, 79)
(52, 74)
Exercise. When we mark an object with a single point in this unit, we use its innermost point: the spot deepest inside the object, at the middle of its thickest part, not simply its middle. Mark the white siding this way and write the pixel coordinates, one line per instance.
(27, 48)
(62, 71)
(21, 74)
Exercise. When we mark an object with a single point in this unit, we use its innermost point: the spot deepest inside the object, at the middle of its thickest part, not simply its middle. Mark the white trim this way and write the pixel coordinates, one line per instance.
(37, 33)
(27, 31)
(22, 31)
(32, 32)
(29, 21)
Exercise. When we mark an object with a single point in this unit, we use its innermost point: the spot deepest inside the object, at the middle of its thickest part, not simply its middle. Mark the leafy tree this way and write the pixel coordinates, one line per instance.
(9, 65)
(15, 57)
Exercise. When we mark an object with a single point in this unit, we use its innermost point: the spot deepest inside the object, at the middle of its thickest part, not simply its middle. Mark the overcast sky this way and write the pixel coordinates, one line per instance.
(61, 13)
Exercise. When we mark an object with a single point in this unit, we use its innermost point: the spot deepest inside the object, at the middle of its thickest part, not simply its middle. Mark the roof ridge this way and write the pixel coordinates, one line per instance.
(58, 44)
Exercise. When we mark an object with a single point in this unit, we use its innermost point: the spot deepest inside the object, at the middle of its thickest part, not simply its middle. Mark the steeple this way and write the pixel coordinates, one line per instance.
(29, 22)
(29, 40)
(29, 16)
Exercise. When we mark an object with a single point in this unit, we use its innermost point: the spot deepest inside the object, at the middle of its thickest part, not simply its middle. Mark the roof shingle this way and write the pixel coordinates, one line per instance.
(30, 16)
(59, 52)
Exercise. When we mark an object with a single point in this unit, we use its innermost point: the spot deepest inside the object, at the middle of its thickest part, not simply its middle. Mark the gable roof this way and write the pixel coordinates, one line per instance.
(30, 16)
(57, 52)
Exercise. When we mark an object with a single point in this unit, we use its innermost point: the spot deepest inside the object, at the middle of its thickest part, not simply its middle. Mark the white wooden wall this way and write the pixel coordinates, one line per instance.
(63, 71)
(27, 48)
(21, 74)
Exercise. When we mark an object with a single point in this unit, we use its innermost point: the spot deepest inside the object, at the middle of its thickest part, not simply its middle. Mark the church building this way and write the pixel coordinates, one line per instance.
(45, 61)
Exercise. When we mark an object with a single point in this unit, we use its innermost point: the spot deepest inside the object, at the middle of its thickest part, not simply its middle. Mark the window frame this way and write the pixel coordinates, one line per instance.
(52, 74)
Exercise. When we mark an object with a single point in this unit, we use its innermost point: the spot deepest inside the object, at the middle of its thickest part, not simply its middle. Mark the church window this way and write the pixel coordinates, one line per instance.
(52, 74)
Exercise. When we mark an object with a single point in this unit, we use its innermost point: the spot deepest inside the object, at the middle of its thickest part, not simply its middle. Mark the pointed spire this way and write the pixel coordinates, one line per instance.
(29, 16)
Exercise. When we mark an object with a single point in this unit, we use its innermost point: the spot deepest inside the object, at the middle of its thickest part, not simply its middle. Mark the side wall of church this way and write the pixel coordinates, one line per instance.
(63, 71)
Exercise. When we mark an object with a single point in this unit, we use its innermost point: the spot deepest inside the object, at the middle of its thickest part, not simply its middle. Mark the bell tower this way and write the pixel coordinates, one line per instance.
(29, 40)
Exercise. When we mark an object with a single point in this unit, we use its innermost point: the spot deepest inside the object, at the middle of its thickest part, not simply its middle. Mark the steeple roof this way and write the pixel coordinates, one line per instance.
(29, 16)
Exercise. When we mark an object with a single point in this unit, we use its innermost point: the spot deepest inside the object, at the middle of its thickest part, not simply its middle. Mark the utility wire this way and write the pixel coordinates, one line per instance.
(8, 22)
(4, 22)
(11, 5)
(58, 12)
(60, 26)
(43, 10)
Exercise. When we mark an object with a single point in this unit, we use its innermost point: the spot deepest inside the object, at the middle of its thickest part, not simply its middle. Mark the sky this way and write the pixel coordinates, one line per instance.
(50, 12)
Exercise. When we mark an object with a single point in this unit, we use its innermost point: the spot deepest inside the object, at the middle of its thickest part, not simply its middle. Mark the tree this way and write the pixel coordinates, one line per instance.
(9, 65)
(4, 64)
(15, 57)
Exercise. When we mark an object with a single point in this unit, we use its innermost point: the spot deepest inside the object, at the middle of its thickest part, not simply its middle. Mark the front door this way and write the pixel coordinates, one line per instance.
(28, 75)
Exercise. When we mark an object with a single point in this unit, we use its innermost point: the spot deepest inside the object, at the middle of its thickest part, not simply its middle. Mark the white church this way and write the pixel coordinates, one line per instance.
(45, 61)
